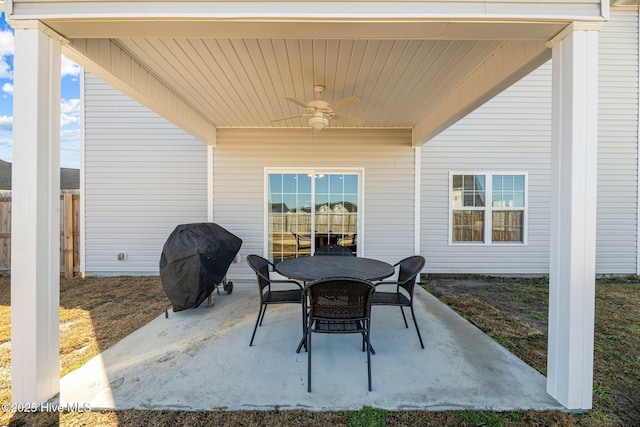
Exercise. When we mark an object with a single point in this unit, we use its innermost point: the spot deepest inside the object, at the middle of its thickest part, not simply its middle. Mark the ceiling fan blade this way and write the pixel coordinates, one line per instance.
(295, 101)
(287, 118)
(343, 103)
(349, 119)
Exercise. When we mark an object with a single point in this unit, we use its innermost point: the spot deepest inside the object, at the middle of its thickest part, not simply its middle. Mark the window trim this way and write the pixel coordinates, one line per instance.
(488, 209)
(314, 170)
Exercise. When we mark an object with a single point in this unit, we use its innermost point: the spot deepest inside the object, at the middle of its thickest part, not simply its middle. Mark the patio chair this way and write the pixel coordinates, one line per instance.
(333, 250)
(268, 296)
(403, 296)
(339, 306)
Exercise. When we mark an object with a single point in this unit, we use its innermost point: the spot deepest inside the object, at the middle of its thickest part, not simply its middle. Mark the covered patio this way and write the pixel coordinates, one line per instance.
(200, 360)
(209, 65)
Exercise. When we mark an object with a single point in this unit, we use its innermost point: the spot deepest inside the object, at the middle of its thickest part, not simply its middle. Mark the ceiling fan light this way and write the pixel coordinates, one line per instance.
(318, 122)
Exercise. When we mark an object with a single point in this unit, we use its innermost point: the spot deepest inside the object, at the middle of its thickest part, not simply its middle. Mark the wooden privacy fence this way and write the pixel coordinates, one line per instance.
(344, 223)
(69, 232)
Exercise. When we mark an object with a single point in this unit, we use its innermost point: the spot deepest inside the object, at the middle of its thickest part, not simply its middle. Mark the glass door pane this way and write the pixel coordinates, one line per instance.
(308, 210)
(336, 219)
(289, 215)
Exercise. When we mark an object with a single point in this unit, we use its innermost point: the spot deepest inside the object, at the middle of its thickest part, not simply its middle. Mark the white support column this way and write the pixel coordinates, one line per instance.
(35, 242)
(210, 177)
(638, 156)
(573, 218)
(417, 217)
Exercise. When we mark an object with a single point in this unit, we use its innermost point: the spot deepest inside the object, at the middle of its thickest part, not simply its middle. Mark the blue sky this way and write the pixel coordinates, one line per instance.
(69, 103)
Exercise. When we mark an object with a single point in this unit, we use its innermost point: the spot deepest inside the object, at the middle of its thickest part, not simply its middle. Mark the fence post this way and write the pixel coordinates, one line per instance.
(68, 235)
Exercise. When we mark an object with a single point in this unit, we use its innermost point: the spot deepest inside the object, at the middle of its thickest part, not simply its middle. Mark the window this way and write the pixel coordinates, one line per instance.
(308, 209)
(500, 219)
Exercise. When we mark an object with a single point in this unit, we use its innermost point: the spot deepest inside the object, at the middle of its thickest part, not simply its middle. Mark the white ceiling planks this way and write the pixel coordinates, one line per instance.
(447, 62)
(242, 82)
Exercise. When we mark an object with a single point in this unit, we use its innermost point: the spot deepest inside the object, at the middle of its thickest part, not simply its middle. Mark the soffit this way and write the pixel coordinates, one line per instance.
(242, 82)
(236, 73)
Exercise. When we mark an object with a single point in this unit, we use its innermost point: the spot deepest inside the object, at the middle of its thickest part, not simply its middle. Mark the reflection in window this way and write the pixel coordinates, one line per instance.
(308, 210)
(468, 190)
(289, 212)
(501, 220)
(507, 226)
(468, 226)
(508, 191)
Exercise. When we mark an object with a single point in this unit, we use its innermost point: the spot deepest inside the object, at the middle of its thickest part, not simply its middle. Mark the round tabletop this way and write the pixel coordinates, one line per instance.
(317, 267)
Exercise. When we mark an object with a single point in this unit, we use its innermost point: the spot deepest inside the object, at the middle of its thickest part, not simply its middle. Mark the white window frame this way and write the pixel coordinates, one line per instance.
(314, 171)
(488, 209)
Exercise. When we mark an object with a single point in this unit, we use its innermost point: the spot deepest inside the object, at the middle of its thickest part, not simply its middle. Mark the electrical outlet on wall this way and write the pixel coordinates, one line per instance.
(122, 256)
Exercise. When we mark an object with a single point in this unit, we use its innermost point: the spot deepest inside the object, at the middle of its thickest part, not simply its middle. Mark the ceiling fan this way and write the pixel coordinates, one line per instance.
(320, 111)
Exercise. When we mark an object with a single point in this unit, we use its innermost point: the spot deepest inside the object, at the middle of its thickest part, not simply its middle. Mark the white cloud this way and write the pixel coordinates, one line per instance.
(7, 88)
(7, 142)
(6, 42)
(70, 106)
(66, 119)
(5, 70)
(70, 111)
(6, 49)
(69, 68)
(6, 122)
(70, 135)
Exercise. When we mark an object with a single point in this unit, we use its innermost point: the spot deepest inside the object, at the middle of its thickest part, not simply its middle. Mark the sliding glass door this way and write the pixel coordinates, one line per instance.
(308, 209)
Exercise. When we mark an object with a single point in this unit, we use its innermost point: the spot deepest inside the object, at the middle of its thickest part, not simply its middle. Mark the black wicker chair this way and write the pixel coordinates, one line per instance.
(333, 250)
(262, 267)
(403, 296)
(339, 306)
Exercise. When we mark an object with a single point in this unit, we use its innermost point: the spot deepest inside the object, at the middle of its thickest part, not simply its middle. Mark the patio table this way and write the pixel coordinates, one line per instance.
(313, 268)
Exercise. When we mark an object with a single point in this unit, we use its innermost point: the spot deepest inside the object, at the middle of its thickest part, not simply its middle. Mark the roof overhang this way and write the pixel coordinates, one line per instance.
(209, 64)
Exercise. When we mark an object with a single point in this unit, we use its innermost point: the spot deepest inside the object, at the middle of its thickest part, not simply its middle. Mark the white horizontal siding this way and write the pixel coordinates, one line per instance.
(241, 156)
(143, 176)
(509, 133)
(512, 132)
(617, 215)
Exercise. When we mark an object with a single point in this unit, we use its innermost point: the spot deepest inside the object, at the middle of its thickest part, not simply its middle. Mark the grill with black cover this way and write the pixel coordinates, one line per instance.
(194, 260)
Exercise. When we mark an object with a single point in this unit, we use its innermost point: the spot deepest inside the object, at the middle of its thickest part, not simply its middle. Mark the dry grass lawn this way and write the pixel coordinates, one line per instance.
(96, 313)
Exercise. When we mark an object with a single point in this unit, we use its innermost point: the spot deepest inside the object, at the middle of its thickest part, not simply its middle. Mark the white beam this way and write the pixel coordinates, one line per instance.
(35, 234)
(543, 10)
(430, 19)
(573, 219)
(302, 29)
(107, 60)
(508, 64)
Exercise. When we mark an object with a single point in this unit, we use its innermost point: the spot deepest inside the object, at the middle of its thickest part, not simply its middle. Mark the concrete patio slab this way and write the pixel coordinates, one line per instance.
(200, 359)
